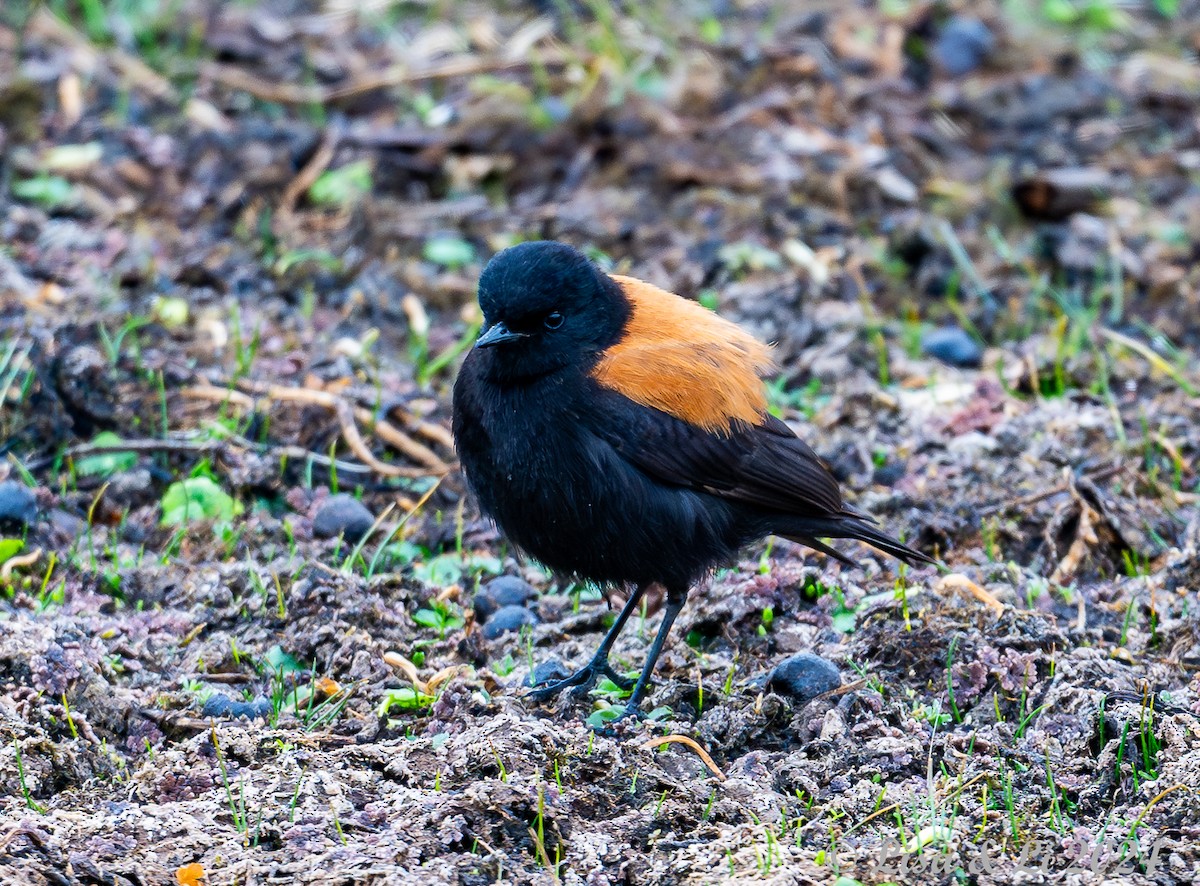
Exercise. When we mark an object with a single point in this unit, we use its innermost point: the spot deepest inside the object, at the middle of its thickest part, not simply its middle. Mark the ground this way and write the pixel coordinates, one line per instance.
(237, 262)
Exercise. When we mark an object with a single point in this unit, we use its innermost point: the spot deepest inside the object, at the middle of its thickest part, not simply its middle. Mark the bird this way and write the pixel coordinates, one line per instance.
(619, 433)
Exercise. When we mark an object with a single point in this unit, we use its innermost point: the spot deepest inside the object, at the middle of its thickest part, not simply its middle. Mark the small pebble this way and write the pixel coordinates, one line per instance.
(221, 705)
(548, 671)
(953, 346)
(507, 619)
(342, 515)
(890, 474)
(804, 676)
(963, 45)
(130, 489)
(506, 590)
(18, 506)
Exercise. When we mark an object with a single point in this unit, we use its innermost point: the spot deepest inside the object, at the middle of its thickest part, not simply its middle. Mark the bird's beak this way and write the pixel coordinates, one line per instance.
(497, 334)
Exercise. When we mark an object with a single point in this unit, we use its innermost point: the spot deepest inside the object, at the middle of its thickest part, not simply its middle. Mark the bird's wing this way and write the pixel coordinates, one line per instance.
(763, 464)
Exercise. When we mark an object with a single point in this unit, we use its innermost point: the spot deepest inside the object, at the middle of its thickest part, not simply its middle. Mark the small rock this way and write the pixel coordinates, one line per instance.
(507, 590)
(342, 515)
(130, 489)
(507, 619)
(548, 671)
(804, 676)
(18, 506)
(221, 705)
(896, 186)
(953, 346)
(1056, 194)
(964, 45)
(64, 528)
(890, 474)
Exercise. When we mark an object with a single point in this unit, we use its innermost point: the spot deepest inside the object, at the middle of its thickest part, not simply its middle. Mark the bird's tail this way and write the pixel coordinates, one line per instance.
(807, 531)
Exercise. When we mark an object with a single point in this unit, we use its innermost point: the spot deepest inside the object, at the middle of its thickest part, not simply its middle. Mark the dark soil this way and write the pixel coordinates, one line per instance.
(238, 244)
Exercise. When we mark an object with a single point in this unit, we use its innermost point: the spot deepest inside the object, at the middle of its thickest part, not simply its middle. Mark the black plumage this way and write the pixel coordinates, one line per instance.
(586, 477)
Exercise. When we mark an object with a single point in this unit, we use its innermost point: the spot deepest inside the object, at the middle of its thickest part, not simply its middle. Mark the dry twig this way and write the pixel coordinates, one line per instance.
(660, 740)
(12, 563)
(958, 582)
(307, 176)
(130, 68)
(346, 416)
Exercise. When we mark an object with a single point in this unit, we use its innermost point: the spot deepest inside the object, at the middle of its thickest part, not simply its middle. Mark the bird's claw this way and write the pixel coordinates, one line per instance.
(583, 678)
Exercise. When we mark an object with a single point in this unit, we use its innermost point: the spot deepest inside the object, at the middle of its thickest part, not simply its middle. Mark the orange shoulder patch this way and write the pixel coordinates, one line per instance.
(678, 357)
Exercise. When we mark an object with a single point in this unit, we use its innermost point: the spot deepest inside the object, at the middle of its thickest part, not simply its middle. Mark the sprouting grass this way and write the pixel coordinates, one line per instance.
(1027, 717)
(1140, 746)
(1008, 801)
(12, 360)
(440, 615)
(989, 531)
(30, 803)
(1059, 804)
(113, 344)
(500, 767)
(237, 804)
(950, 650)
(245, 349)
(537, 834)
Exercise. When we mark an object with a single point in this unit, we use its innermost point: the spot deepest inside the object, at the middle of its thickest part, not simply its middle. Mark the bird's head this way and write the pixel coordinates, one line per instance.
(546, 307)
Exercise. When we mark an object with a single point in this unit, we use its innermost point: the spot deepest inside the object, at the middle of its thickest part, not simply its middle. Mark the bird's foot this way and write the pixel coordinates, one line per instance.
(584, 678)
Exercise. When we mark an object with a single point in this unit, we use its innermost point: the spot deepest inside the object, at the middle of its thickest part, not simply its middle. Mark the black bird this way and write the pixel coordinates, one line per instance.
(618, 432)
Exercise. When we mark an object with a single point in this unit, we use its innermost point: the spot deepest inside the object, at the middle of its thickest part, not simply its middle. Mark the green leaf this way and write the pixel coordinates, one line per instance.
(280, 662)
(196, 499)
(343, 186)
(609, 689)
(768, 617)
(600, 718)
(1104, 16)
(51, 191)
(449, 252)
(442, 570)
(844, 620)
(105, 464)
(484, 564)
(9, 548)
(429, 618)
(323, 258)
(406, 699)
(439, 617)
(1060, 12)
(402, 553)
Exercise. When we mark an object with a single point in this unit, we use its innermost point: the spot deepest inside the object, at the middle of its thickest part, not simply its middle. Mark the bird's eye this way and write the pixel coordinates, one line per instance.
(553, 320)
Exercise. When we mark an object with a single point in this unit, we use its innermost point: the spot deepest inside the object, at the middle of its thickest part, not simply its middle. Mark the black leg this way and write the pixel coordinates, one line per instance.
(675, 600)
(598, 666)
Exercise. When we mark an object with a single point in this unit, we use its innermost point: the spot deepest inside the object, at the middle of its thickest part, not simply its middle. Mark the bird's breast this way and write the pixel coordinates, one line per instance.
(569, 498)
